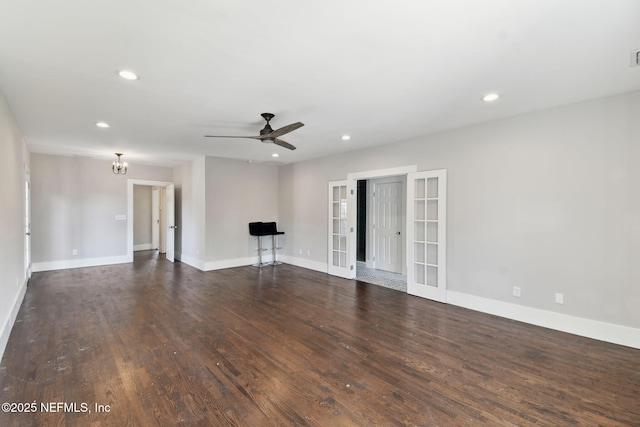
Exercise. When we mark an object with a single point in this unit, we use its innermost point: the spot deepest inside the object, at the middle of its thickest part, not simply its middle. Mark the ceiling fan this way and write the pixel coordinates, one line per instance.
(267, 134)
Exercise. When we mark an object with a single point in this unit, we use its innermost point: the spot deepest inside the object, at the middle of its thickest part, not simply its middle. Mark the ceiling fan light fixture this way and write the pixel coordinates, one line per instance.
(128, 75)
(103, 125)
(346, 137)
(275, 155)
(490, 97)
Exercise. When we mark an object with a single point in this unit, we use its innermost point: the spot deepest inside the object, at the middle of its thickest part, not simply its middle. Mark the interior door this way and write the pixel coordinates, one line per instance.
(27, 228)
(342, 236)
(427, 232)
(155, 218)
(169, 212)
(388, 226)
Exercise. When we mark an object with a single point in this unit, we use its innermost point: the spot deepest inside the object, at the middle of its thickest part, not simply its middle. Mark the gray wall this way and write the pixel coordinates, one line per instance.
(189, 179)
(237, 193)
(142, 215)
(218, 198)
(546, 201)
(13, 162)
(77, 209)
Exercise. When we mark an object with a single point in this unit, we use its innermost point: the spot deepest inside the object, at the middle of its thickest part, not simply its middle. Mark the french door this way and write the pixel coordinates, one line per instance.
(342, 237)
(426, 234)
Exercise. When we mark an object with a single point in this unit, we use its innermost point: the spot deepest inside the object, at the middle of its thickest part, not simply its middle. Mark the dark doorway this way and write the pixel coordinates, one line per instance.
(361, 252)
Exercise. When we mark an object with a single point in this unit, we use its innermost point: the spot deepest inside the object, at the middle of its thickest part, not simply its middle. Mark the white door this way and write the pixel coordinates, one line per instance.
(426, 229)
(387, 225)
(342, 236)
(27, 228)
(155, 218)
(169, 212)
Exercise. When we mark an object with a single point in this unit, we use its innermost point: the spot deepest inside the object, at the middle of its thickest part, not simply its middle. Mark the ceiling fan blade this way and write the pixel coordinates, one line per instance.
(284, 144)
(283, 130)
(234, 136)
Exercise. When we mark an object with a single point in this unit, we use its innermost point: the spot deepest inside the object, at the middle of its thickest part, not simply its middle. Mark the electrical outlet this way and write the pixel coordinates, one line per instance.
(299, 251)
(308, 252)
(559, 298)
(74, 252)
(516, 291)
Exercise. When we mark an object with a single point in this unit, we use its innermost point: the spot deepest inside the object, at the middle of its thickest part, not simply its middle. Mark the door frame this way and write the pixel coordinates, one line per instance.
(401, 171)
(130, 184)
(27, 224)
(155, 217)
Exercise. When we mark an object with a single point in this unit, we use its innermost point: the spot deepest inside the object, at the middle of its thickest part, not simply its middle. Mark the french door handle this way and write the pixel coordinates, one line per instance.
(398, 233)
(28, 233)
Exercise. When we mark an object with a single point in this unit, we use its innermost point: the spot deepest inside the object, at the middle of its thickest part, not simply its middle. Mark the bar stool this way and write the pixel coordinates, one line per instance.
(270, 228)
(257, 229)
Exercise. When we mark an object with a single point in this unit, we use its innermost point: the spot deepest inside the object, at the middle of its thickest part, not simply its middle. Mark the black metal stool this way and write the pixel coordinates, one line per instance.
(257, 229)
(271, 229)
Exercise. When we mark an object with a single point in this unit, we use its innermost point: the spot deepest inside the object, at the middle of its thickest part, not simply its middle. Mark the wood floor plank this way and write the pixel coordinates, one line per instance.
(163, 344)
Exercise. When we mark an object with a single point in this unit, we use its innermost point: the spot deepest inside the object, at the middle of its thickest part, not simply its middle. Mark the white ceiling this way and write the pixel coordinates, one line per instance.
(381, 71)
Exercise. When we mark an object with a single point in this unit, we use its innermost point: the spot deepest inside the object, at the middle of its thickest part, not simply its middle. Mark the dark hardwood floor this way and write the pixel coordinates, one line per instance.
(161, 344)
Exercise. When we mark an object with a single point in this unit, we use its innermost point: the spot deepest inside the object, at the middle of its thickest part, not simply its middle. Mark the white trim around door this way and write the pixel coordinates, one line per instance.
(130, 184)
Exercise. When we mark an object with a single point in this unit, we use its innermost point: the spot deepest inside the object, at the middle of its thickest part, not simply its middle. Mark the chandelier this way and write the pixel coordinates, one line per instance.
(119, 167)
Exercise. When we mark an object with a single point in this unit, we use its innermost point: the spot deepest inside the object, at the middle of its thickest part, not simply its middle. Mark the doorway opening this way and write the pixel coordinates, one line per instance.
(380, 224)
(166, 213)
(148, 218)
(424, 228)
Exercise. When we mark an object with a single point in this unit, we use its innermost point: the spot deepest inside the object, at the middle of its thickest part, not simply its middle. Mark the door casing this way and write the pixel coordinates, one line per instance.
(130, 184)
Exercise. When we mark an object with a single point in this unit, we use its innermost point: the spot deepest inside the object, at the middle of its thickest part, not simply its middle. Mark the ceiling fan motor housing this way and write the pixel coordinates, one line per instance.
(267, 129)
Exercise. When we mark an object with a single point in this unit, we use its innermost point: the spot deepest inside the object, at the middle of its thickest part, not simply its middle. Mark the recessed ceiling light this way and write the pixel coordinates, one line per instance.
(346, 137)
(490, 97)
(275, 155)
(128, 75)
(102, 124)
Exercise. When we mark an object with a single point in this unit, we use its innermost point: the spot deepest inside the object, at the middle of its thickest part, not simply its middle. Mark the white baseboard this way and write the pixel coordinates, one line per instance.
(221, 264)
(79, 263)
(239, 262)
(193, 262)
(230, 263)
(10, 320)
(304, 263)
(143, 247)
(608, 332)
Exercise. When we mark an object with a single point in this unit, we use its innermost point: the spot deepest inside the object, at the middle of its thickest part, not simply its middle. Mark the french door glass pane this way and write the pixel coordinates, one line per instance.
(420, 189)
(419, 274)
(419, 227)
(432, 254)
(432, 232)
(420, 210)
(420, 253)
(432, 188)
(432, 276)
(432, 209)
